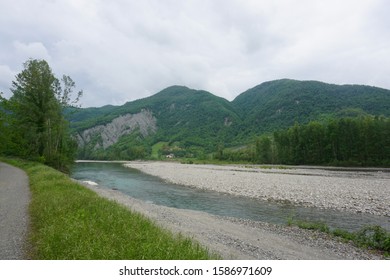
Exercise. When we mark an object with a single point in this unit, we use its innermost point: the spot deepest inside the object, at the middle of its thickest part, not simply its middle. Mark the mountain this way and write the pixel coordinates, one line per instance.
(177, 116)
(279, 104)
(188, 122)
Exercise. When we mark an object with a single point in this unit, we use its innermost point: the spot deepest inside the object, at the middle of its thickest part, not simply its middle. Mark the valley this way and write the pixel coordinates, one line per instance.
(179, 122)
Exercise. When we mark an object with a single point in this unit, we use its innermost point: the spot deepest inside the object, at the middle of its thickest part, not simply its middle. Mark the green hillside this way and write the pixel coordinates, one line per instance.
(189, 121)
(191, 117)
(279, 104)
(195, 122)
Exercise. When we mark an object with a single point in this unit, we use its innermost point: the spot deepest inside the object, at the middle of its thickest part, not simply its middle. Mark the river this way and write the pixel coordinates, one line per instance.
(153, 190)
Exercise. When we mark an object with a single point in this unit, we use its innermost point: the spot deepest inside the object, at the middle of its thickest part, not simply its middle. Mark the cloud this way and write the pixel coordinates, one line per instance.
(124, 50)
(34, 50)
(6, 75)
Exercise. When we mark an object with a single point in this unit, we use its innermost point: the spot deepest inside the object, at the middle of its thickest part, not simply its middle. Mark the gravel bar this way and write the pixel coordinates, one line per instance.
(359, 191)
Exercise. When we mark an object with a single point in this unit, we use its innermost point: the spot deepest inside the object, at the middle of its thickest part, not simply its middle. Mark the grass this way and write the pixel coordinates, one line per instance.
(156, 148)
(319, 226)
(69, 221)
(370, 237)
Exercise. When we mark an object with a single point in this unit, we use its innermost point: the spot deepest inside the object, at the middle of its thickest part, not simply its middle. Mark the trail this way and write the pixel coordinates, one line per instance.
(14, 219)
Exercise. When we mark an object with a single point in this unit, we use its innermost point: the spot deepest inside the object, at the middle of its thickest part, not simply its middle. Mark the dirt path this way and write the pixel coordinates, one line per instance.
(240, 239)
(14, 200)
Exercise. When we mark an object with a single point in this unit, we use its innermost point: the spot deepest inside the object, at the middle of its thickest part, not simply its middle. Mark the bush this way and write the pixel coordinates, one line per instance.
(374, 237)
(371, 237)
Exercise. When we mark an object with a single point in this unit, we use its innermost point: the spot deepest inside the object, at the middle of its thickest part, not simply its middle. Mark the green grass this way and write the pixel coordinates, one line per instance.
(319, 226)
(69, 221)
(370, 237)
(156, 148)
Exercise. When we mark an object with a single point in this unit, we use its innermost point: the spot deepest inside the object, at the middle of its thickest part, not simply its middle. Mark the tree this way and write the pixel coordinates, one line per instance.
(264, 150)
(4, 133)
(37, 107)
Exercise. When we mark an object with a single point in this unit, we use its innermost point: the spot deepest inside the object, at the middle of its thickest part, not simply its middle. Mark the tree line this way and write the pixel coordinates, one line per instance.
(360, 141)
(32, 123)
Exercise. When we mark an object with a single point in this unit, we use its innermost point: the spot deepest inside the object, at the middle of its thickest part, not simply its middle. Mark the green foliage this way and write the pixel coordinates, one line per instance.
(189, 121)
(370, 237)
(129, 147)
(5, 141)
(374, 237)
(157, 148)
(319, 226)
(195, 123)
(34, 116)
(279, 104)
(362, 141)
(240, 154)
(69, 221)
(264, 150)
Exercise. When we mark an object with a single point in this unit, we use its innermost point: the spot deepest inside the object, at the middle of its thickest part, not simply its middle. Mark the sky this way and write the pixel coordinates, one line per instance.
(123, 50)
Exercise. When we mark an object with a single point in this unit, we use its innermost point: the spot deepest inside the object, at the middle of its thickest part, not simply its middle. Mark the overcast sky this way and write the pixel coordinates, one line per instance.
(122, 50)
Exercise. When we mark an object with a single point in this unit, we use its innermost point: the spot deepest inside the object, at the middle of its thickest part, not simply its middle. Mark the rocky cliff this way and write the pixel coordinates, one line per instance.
(108, 134)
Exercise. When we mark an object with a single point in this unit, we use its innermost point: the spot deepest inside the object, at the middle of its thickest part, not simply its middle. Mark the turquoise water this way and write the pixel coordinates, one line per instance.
(153, 190)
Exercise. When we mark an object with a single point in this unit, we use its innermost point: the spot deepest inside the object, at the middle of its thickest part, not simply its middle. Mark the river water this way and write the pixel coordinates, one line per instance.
(153, 190)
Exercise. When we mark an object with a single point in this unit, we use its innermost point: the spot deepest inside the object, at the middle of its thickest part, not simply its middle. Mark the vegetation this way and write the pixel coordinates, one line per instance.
(361, 141)
(369, 237)
(69, 221)
(279, 104)
(195, 124)
(278, 122)
(33, 125)
(190, 121)
(348, 141)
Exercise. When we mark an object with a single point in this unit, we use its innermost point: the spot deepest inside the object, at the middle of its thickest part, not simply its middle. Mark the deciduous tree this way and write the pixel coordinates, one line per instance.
(36, 107)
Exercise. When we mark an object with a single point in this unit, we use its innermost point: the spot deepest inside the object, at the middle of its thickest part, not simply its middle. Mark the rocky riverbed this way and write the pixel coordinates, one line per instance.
(232, 238)
(365, 190)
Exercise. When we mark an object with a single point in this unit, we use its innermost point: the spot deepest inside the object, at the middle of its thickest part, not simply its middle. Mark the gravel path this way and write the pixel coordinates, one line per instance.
(14, 200)
(363, 191)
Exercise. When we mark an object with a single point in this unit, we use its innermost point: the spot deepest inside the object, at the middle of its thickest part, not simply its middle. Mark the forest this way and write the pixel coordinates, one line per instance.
(360, 141)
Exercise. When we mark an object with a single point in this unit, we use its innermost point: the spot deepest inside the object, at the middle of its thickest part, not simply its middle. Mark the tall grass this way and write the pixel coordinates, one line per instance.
(69, 221)
(370, 237)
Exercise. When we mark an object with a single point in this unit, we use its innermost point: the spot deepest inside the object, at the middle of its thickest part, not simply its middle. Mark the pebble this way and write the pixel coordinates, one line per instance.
(355, 191)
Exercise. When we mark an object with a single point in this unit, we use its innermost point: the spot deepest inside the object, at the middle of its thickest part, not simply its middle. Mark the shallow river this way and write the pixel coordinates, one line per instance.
(153, 190)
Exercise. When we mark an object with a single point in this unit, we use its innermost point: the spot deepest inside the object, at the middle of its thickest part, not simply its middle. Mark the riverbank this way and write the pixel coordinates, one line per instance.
(70, 222)
(364, 191)
(234, 238)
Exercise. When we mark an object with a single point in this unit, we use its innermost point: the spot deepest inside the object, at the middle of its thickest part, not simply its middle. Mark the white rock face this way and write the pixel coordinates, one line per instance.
(122, 125)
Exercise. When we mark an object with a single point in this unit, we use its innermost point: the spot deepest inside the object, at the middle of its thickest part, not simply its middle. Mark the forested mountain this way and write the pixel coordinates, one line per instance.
(187, 122)
(279, 104)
